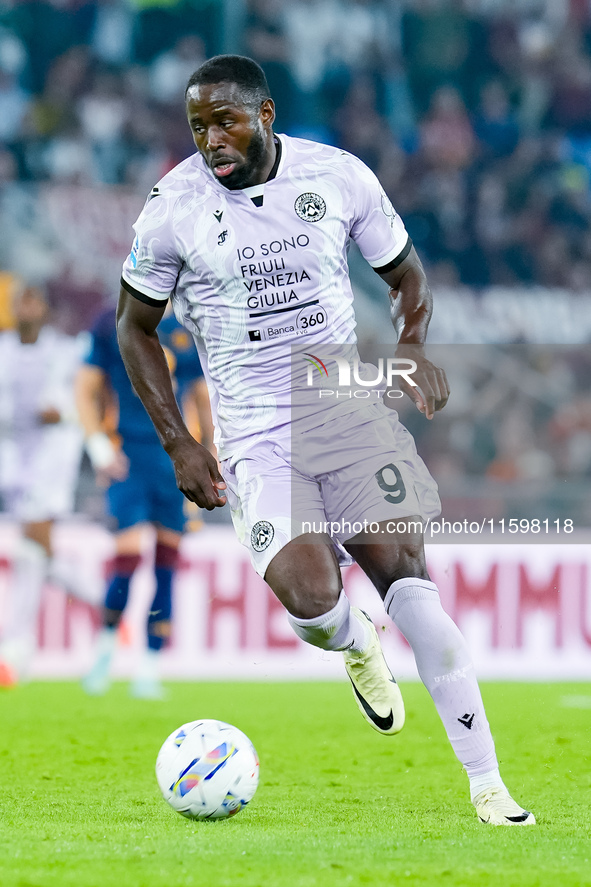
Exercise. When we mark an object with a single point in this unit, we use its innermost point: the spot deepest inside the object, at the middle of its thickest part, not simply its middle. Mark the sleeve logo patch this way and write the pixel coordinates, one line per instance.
(261, 535)
(134, 252)
(387, 208)
(310, 207)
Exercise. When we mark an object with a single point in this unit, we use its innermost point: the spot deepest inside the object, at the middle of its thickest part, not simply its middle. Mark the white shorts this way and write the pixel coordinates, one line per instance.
(41, 484)
(361, 467)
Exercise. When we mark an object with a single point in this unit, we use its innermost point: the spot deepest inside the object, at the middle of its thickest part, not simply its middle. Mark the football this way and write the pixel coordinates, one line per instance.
(207, 770)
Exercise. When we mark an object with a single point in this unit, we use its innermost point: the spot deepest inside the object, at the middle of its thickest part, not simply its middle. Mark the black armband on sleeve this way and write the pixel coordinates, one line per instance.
(155, 303)
(397, 261)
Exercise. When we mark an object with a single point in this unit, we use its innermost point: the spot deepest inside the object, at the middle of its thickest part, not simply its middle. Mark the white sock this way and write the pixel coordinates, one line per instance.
(484, 781)
(19, 637)
(149, 665)
(336, 630)
(445, 667)
(106, 642)
(77, 579)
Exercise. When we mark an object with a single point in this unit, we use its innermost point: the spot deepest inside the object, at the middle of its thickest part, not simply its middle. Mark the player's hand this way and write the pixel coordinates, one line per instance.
(50, 416)
(197, 474)
(116, 470)
(109, 462)
(431, 390)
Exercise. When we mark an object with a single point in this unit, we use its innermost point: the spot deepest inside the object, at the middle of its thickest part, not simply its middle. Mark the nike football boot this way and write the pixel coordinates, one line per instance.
(496, 807)
(376, 692)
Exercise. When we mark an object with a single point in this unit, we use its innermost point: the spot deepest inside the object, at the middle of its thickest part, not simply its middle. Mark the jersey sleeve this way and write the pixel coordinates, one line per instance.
(151, 270)
(377, 229)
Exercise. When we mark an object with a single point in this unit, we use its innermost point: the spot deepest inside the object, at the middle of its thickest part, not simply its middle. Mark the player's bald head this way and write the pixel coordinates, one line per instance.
(248, 76)
(31, 293)
(30, 306)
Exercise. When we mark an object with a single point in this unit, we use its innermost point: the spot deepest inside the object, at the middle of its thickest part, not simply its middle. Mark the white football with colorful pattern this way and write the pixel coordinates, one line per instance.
(207, 770)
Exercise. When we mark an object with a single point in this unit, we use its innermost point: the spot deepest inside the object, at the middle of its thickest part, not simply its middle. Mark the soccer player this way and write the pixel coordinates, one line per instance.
(40, 448)
(141, 485)
(248, 238)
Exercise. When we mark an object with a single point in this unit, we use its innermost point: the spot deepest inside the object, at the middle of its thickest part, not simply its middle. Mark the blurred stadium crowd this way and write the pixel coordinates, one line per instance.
(515, 437)
(475, 114)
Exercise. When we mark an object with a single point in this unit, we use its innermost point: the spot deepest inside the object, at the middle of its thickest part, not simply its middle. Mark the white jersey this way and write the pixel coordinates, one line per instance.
(38, 463)
(254, 273)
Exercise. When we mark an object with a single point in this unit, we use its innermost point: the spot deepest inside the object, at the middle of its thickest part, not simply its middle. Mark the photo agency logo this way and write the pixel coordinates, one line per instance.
(351, 378)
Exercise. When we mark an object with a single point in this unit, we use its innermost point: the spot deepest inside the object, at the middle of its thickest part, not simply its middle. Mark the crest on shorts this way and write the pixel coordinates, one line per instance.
(310, 207)
(261, 535)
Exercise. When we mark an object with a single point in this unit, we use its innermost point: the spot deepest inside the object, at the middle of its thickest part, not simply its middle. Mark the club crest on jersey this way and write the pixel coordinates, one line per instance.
(310, 207)
(261, 535)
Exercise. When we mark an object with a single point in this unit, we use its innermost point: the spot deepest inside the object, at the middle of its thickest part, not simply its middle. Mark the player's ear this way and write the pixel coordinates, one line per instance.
(267, 113)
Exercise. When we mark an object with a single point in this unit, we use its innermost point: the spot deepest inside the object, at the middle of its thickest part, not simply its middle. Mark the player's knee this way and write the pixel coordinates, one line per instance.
(411, 562)
(310, 603)
(403, 561)
(305, 578)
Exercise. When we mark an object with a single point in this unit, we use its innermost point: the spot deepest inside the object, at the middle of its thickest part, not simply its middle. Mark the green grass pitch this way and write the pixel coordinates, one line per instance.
(337, 803)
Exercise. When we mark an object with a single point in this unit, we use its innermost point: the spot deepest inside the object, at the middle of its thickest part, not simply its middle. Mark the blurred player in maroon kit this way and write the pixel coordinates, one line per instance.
(141, 487)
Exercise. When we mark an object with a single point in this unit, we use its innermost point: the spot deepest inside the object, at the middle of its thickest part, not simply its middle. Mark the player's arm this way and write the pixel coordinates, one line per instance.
(382, 238)
(411, 302)
(196, 470)
(90, 390)
(411, 306)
